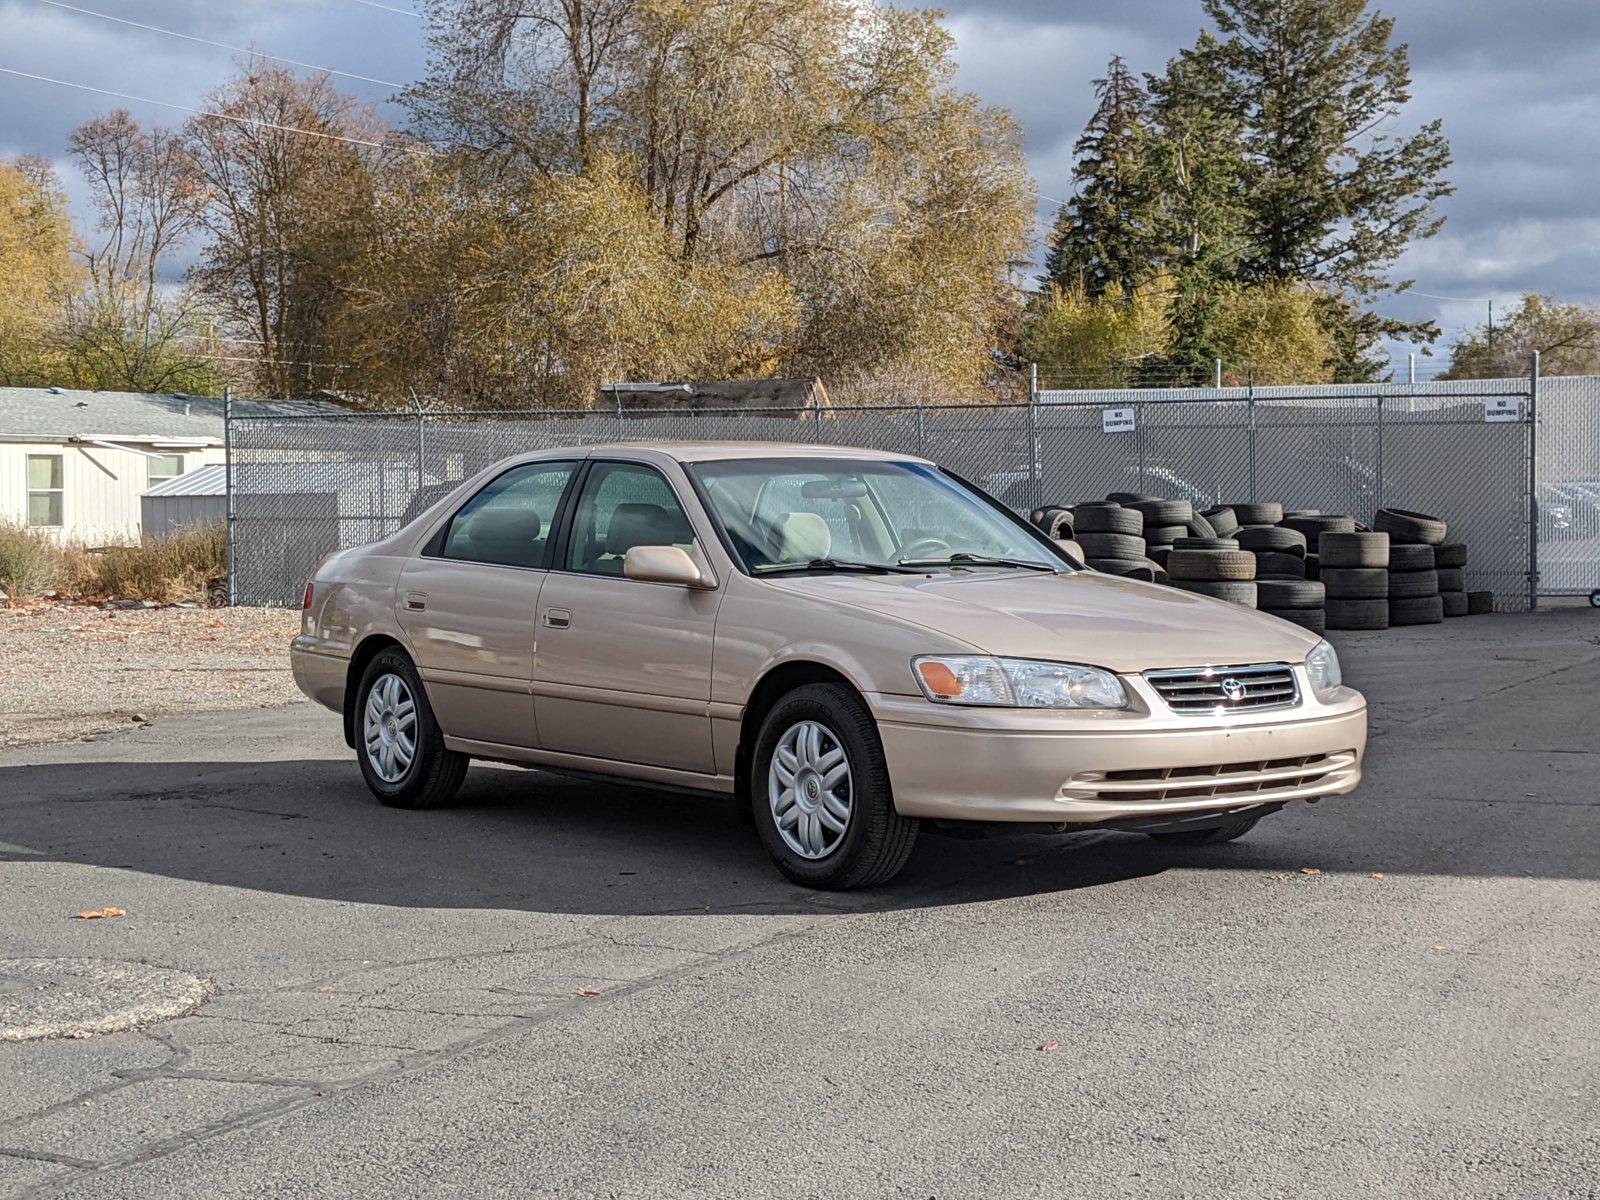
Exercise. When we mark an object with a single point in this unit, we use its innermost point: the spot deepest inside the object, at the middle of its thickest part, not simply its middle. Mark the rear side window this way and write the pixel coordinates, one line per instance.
(624, 505)
(508, 522)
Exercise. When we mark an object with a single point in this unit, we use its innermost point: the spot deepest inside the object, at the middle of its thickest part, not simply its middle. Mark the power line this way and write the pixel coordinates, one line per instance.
(404, 12)
(199, 112)
(293, 62)
(1454, 299)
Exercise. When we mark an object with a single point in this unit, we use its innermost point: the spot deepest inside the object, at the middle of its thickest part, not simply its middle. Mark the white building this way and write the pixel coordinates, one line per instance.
(76, 463)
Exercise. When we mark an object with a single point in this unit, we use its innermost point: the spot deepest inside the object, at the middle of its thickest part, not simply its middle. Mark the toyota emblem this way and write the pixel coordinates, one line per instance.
(1232, 690)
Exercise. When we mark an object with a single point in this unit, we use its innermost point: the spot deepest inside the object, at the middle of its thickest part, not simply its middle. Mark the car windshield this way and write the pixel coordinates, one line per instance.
(815, 514)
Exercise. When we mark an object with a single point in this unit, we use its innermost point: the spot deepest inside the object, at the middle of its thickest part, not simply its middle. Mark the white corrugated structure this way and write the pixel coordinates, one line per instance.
(186, 501)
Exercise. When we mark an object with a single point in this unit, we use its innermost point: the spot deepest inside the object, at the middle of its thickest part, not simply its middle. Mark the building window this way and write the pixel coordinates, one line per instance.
(163, 467)
(44, 490)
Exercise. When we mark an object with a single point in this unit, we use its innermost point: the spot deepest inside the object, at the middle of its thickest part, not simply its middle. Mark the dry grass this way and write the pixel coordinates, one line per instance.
(165, 570)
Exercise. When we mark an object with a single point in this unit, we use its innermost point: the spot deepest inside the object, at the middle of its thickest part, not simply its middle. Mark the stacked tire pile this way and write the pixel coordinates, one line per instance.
(1279, 557)
(1112, 538)
(1353, 567)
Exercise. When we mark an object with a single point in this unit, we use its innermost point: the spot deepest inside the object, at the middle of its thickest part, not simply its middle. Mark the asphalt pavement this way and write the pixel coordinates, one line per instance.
(572, 989)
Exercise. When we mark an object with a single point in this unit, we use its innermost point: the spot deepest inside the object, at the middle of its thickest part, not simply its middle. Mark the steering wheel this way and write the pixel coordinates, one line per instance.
(926, 547)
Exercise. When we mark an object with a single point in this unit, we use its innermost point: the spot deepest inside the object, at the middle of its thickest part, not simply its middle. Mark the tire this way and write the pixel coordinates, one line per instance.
(1164, 535)
(1450, 554)
(1479, 603)
(1417, 610)
(1452, 579)
(1212, 565)
(1110, 545)
(1315, 526)
(1284, 566)
(1313, 619)
(1411, 528)
(1277, 594)
(1356, 583)
(1358, 614)
(1127, 498)
(1301, 512)
(1205, 543)
(1198, 526)
(1455, 603)
(1257, 514)
(1088, 519)
(1164, 512)
(1411, 585)
(1272, 537)
(1061, 524)
(1313, 566)
(1127, 568)
(1230, 830)
(1406, 557)
(434, 774)
(1041, 517)
(1158, 555)
(1242, 594)
(1353, 550)
(1222, 519)
(876, 840)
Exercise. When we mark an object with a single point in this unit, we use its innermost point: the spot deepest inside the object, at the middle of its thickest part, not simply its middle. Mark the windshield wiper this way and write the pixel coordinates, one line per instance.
(963, 559)
(836, 564)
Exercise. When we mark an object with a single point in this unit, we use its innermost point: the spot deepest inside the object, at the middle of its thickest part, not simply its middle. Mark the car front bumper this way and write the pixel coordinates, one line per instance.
(1088, 768)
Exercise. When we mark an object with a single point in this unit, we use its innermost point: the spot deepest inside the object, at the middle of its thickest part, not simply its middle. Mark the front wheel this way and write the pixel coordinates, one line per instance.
(398, 744)
(820, 792)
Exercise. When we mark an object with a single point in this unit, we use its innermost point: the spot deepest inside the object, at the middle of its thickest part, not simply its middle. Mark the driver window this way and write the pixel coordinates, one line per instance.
(624, 505)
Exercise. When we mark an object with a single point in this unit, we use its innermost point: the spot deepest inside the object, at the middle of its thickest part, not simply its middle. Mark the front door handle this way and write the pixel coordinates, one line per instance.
(557, 618)
(416, 601)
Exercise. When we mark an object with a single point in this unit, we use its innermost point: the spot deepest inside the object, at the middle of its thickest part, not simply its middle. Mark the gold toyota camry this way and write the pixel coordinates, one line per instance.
(849, 642)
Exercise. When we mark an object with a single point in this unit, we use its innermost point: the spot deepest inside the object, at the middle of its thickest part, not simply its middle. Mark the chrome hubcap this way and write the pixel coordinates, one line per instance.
(389, 728)
(808, 786)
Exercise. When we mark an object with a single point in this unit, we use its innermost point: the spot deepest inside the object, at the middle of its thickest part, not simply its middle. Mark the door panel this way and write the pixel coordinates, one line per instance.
(469, 604)
(623, 669)
(627, 677)
(474, 643)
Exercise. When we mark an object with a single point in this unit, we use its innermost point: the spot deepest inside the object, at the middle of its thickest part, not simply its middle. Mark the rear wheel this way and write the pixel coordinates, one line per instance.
(398, 743)
(1229, 831)
(820, 792)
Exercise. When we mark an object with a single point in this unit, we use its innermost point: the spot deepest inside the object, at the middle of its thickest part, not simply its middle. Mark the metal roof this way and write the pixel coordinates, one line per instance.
(135, 416)
(209, 480)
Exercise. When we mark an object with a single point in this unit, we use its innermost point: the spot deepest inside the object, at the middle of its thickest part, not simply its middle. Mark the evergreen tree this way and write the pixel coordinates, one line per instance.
(1334, 196)
(1101, 241)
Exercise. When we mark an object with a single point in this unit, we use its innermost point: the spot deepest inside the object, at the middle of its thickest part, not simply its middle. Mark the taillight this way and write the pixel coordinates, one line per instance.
(305, 602)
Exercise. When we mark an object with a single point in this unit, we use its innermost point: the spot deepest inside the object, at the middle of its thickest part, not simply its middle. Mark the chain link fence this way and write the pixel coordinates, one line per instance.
(304, 485)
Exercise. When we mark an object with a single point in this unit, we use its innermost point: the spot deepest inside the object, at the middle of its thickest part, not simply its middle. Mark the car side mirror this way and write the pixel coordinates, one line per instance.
(662, 564)
(1072, 550)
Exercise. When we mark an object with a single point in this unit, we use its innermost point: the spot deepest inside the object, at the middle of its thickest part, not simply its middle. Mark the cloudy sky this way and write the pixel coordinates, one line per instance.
(1517, 84)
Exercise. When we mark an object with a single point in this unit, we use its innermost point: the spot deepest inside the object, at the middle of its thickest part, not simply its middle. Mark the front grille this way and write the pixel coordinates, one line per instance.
(1208, 690)
(1263, 779)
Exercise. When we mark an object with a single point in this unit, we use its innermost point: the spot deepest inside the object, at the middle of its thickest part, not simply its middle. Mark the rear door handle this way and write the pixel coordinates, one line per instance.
(557, 618)
(416, 601)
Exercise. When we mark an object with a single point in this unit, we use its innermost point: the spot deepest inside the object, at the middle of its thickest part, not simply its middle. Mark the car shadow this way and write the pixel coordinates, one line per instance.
(534, 841)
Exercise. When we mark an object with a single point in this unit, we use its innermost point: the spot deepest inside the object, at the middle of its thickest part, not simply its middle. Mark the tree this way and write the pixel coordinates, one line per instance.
(36, 262)
(1078, 340)
(1565, 335)
(1104, 238)
(1333, 194)
(288, 177)
(1273, 333)
(128, 328)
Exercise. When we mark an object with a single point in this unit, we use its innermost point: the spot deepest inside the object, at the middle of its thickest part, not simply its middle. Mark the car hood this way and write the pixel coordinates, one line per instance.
(1099, 620)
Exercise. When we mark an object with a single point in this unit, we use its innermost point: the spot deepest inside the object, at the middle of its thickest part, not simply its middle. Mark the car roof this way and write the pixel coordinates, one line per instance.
(723, 451)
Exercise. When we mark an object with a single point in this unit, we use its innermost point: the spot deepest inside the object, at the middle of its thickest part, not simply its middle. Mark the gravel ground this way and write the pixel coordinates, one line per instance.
(68, 673)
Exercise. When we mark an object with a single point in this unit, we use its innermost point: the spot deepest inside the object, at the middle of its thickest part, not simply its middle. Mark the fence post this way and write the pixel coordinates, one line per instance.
(1533, 483)
(1034, 484)
(422, 438)
(227, 486)
(922, 446)
(1250, 416)
(1216, 374)
(1378, 500)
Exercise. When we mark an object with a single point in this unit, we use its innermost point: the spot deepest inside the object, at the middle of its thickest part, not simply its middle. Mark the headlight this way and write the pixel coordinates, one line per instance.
(1016, 683)
(1322, 667)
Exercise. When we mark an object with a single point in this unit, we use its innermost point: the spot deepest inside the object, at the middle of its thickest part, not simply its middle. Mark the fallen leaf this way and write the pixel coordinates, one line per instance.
(1051, 1046)
(1376, 875)
(1310, 871)
(1441, 947)
(100, 914)
(587, 992)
